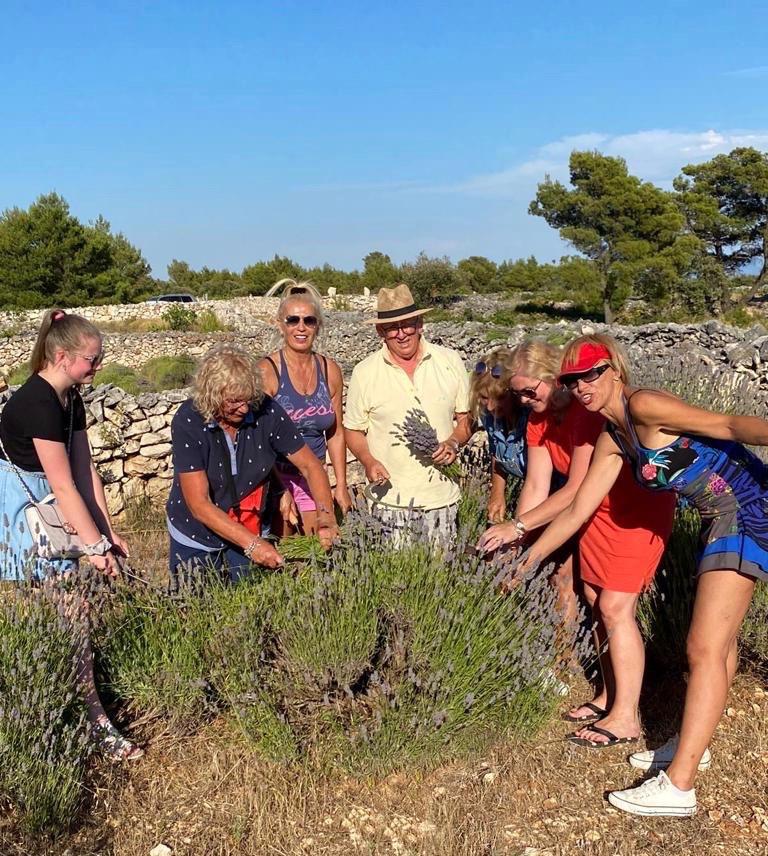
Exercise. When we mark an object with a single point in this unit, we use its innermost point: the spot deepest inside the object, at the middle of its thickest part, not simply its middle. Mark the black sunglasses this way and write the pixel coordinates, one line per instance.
(481, 368)
(571, 381)
(293, 320)
(529, 392)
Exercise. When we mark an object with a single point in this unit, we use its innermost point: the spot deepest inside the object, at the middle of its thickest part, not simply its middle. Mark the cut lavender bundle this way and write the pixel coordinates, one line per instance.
(420, 438)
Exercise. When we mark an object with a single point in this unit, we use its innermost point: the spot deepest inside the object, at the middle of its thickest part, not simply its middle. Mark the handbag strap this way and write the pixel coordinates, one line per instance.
(68, 446)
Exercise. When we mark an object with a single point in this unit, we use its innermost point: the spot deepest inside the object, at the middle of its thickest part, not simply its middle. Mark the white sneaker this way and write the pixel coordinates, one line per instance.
(661, 758)
(656, 796)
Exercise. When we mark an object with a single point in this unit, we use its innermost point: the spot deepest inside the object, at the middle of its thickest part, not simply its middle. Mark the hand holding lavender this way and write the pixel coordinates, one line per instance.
(420, 438)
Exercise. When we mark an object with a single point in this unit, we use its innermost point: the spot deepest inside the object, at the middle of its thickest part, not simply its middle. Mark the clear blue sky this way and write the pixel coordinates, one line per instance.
(224, 132)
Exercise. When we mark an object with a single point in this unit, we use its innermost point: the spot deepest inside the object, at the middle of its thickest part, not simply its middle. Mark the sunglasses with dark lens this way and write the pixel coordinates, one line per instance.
(294, 320)
(95, 360)
(528, 392)
(571, 381)
(481, 368)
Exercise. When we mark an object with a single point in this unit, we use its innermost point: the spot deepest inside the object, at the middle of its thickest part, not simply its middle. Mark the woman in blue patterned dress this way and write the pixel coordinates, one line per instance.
(504, 421)
(699, 455)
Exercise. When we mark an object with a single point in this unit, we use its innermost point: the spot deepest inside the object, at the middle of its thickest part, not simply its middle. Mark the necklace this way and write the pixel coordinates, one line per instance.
(307, 381)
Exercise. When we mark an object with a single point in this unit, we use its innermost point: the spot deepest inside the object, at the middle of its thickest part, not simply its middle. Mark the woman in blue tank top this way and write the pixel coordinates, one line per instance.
(698, 454)
(308, 386)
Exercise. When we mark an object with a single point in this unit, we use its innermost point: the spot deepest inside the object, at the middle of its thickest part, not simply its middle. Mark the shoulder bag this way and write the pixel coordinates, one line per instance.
(53, 537)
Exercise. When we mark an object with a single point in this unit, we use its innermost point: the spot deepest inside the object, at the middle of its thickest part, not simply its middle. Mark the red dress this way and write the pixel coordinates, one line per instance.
(621, 546)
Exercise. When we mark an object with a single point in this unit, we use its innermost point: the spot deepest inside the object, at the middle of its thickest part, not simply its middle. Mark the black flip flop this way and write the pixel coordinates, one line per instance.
(613, 740)
(598, 713)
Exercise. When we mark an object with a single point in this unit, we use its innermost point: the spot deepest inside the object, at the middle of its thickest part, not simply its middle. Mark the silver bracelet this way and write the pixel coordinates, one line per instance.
(520, 526)
(252, 546)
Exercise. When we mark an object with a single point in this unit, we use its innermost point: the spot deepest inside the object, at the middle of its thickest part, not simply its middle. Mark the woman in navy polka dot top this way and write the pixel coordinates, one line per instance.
(226, 439)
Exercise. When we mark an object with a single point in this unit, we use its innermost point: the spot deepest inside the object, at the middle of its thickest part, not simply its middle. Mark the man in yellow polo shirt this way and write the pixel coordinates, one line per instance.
(408, 373)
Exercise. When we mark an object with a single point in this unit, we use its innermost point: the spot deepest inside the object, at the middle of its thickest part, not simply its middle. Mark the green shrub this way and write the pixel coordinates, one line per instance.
(19, 375)
(367, 658)
(44, 744)
(121, 376)
(208, 322)
(168, 372)
(664, 612)
(179, 317)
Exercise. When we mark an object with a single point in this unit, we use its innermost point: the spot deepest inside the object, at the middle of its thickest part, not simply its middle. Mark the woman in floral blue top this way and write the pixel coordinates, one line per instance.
(504, 421)
(697, 454)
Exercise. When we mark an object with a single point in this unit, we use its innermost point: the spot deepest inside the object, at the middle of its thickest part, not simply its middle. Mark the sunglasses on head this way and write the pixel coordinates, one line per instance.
(571, 381)
(293, 320)
(482, 368)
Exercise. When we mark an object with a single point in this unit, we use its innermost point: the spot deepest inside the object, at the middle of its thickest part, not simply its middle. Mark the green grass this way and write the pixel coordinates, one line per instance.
(156, 375)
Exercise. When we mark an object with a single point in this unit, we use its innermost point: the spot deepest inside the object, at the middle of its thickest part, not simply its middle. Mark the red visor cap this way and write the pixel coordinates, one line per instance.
(587, 357)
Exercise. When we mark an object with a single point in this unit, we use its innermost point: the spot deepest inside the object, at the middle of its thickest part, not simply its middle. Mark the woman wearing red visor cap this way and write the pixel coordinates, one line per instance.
(618, 550)
(675, 447)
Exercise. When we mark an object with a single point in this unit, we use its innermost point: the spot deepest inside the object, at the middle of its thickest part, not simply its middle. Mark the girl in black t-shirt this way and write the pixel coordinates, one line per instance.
(44, 444)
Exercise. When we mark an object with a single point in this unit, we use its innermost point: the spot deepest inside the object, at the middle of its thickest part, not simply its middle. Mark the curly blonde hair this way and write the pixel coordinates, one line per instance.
(226, 371)
(618, 358)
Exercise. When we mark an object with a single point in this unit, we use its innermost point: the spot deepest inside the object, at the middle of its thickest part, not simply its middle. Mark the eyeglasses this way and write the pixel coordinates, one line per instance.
(528, 392)
(233, 403)
(391, 330)
(294, 320)
(481, 368)
(95, 360)
(571, 381)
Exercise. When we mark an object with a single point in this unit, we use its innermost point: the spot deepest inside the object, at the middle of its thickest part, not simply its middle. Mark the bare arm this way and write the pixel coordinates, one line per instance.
(600, 478)
(448, 449)
(268, 376)
(538, 478)
(195, 489)
(88, 481)
(337, 447)
(497, 505)
(660, 413)
(357, 443)
(320, 489)
(546, 511)
(59, 472)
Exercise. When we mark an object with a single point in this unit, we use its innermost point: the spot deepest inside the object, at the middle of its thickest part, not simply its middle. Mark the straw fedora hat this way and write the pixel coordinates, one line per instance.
(395, 304)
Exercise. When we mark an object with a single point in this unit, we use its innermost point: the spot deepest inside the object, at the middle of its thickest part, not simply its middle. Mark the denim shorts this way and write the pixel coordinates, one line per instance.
(18, 550)
(188, 566)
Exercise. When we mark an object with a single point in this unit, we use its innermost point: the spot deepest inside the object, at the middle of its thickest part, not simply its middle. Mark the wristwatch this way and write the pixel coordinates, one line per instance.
(99, 548)
(520, 526)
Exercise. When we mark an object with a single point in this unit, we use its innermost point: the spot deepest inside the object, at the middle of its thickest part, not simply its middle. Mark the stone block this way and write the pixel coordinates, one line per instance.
(141, 466)
(158, 450)
(138, 428)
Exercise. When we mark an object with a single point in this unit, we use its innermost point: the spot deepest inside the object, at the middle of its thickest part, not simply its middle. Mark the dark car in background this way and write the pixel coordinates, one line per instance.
(172, 298)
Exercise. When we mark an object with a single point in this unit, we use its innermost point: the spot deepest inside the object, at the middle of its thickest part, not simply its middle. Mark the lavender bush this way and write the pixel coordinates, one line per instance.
(44, 736)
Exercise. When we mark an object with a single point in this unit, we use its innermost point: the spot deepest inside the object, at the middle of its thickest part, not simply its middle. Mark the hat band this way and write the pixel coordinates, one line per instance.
(393, 313)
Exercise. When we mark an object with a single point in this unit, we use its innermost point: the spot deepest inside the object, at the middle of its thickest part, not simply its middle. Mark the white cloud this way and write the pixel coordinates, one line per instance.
(655, 155)
(754, 71)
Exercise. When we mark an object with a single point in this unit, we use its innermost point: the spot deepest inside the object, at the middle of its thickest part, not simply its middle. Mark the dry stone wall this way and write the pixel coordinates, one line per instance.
(130, 435)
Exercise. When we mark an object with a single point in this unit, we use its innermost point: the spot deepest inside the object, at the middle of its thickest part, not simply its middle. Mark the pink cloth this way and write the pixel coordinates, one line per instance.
(298, 488)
